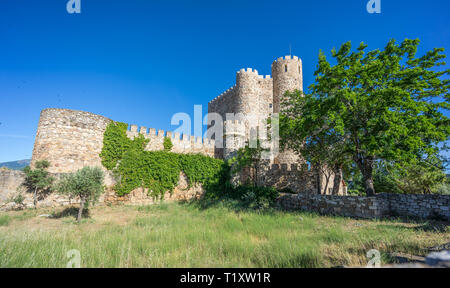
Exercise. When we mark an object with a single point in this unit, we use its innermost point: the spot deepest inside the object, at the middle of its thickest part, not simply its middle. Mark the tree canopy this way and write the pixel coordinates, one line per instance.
(370, 106)
(86, 183)
(38, 180)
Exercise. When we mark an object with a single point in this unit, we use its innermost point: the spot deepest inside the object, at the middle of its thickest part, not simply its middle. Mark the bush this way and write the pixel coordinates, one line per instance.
(18, 199)
(249, 196)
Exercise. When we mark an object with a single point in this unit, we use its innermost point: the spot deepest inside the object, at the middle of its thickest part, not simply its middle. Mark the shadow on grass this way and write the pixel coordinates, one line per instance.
(432, 226)
(70, 212)
(231, 204)
(425, 225)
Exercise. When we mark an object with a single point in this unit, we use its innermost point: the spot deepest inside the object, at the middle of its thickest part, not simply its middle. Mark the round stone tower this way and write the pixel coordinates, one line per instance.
(69, 139)
(247, 95)
(287, 76)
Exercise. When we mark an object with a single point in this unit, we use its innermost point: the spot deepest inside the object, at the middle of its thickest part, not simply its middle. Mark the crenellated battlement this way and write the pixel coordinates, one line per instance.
(248, 71)
(223, 94)
(289, 167)
(181, 143)
(287, 58)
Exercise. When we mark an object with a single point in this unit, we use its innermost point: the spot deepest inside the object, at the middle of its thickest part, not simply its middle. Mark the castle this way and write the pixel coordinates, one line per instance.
(72, 139)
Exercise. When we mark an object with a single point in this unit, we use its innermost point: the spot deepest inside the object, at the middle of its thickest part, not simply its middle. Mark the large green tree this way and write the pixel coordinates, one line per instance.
(380, 105)
(312, 136)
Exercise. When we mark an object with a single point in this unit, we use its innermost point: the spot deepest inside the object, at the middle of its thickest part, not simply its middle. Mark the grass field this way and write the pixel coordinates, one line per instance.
(187, 235)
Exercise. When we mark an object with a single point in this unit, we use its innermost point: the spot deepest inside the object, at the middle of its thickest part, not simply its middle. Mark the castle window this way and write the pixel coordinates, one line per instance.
(285, 68)
(270, 105)
(299, 70)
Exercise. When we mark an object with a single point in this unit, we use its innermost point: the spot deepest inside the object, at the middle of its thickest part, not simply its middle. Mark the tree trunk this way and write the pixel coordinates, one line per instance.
(337, 179)
(80, 211)
(35, 198)
(368, 185)
(327, 179)
(366, 170)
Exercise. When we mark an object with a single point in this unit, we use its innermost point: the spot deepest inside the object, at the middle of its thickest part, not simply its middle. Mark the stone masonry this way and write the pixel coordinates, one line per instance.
(251, 102)
(381, 205)
(71, 139)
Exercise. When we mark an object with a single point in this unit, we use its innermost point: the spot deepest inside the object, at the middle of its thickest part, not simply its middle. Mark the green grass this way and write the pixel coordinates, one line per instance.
(190, 235)
(4, 220)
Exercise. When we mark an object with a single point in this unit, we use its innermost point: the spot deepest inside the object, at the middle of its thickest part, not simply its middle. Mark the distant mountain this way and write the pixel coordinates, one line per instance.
(16, 165)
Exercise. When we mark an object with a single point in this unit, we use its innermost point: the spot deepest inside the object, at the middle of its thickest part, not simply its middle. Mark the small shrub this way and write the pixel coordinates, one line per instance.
(353, 192)
(18, 199)
(248, 196)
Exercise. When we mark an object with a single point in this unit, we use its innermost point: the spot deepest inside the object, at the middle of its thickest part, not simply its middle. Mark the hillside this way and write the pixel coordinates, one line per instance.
(16, 165)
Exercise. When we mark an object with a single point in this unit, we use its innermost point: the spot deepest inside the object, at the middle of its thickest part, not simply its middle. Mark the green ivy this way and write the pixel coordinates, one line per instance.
(156, 170)
(167, 144)
(116, 143)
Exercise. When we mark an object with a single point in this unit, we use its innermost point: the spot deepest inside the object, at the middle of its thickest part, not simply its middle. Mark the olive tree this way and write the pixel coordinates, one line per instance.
(86, 183)
(38, 180)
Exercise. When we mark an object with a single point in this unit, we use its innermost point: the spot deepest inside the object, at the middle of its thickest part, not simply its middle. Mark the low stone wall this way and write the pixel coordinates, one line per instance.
(10, 181)
(420, 206)
(350, 206)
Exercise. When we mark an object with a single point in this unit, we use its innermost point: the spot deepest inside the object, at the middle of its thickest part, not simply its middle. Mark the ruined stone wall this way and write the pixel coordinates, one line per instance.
(381, 205)
(69, 139)
(350, 206)
(418, 205)
(10, 182)
(186, 144)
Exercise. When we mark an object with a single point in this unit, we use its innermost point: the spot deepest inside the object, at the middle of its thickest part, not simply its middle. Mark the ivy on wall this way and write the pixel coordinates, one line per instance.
(156, 170)
(167, 144)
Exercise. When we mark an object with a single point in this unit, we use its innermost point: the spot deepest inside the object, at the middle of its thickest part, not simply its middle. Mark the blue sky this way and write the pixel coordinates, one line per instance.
(141, 61)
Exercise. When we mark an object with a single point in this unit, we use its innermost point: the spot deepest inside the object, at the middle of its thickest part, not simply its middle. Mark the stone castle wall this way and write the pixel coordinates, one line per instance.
(186, 144)
(10, 182)
(72, 139)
